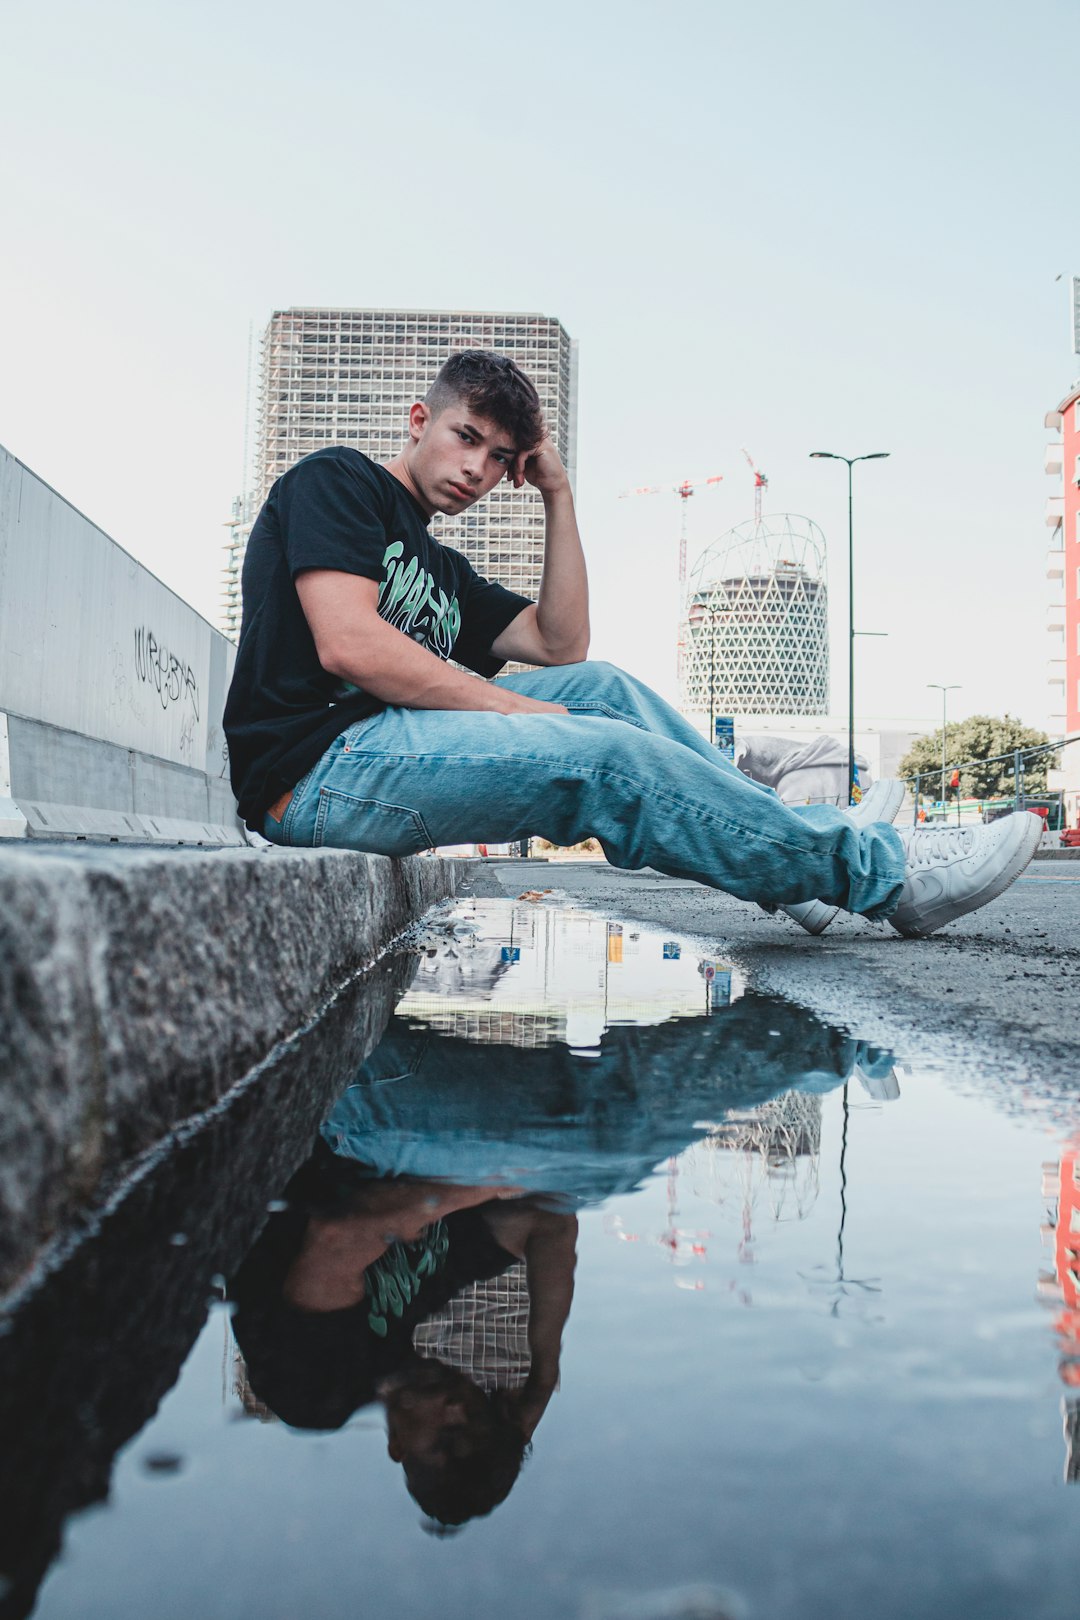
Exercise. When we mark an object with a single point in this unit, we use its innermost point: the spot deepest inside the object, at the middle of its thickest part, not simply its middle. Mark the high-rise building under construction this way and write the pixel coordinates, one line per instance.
(348, 376)
(757, 622)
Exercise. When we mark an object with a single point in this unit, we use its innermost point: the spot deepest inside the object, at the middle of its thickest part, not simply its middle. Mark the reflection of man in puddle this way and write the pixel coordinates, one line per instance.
(585, 1123)
(330, 1298)
(351, 723)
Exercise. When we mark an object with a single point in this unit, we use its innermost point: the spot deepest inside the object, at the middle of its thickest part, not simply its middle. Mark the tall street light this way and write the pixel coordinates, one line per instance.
(936, 686)
(829, 455)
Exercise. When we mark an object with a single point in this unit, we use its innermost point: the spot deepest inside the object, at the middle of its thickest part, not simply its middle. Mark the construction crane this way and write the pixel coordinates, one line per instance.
(761, 483)
(684, 492)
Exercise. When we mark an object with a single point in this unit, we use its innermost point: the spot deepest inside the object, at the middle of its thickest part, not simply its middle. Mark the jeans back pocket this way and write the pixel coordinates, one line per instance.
(369, 825)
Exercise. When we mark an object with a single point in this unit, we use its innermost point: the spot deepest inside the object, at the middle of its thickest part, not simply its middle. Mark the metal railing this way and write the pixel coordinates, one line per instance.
(1022, 759)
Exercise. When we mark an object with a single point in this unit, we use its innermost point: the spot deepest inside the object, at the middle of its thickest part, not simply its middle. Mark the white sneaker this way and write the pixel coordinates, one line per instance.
(880, 802)
(813, 915)
(951, 871)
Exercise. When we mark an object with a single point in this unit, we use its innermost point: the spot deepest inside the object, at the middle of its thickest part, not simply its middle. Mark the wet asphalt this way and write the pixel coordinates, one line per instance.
(994, 995)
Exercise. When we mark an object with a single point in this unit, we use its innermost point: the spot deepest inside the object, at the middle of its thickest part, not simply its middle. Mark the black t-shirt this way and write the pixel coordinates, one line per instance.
(313, 1369)
(336, 509)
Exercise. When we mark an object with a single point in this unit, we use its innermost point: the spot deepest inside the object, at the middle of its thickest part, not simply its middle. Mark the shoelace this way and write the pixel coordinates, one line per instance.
(926, 848)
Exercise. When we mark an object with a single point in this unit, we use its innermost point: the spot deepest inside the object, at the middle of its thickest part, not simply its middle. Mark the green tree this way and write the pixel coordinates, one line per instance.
(978, 739)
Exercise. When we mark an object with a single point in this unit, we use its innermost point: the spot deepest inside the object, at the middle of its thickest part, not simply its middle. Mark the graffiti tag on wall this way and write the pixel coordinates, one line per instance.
(172, 678)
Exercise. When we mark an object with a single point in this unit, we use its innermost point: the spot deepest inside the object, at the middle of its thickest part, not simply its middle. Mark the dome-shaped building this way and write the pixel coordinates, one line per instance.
(756, 633)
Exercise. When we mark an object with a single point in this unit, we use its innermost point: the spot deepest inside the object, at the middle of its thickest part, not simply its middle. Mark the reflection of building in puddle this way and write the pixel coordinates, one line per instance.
(528, 974)
(779, 1131)
(241, 1387)
(771, 1151)
(483, 1331)
(773, 1148)
(1061, 1286)
(491, 1026)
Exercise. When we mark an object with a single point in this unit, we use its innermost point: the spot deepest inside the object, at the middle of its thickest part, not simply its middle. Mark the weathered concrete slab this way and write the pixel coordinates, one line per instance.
(137, 985)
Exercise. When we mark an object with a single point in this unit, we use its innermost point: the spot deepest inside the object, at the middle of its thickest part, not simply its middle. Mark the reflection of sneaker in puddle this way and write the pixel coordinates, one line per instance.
(876, 1069)
(952, 871)
(880, 802)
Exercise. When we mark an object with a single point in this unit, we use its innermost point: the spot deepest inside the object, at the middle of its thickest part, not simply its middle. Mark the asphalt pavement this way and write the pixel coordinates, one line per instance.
(994, 995)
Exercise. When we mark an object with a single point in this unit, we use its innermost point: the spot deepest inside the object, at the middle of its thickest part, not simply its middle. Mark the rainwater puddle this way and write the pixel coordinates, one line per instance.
(609, 1289)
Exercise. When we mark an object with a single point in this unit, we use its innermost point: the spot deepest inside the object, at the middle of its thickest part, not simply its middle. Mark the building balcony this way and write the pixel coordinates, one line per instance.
(1055, 616)
(1055, 564)
(1055, 510)
(1053, 457)
(1052, 420)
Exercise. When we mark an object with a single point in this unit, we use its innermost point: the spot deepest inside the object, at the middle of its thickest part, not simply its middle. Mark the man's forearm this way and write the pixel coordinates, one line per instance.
(550, 1258)
(400, 672)
(562, 606)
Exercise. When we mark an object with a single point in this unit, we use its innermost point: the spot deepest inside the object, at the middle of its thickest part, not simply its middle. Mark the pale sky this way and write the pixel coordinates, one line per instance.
(775, 225)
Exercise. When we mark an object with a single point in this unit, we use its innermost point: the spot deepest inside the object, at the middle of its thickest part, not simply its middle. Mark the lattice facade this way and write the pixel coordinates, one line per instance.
(768, 1155)
(483, 1331)
(348, 376)
(756, 628)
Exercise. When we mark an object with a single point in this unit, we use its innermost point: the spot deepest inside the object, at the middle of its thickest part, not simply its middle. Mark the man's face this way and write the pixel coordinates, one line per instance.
(457, 456)
(430, 1413)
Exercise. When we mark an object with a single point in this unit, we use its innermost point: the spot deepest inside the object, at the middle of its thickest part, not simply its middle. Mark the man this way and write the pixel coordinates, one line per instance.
(348, 727)
(342, 1277)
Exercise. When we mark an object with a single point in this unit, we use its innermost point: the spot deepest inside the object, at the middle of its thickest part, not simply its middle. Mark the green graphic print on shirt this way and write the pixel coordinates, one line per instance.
(395, 1279)
(410, 600)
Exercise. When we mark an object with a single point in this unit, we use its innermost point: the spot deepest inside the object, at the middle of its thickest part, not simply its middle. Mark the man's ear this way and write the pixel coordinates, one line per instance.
(419, 417)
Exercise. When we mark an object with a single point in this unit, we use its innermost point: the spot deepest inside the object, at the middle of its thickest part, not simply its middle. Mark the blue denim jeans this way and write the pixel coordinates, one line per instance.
(622, 767)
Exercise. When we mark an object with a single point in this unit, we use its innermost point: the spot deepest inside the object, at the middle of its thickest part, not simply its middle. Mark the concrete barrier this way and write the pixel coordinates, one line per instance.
(112, 688)
(137, 986)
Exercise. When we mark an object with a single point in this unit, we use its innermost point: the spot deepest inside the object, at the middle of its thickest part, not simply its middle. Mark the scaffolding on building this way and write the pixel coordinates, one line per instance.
(239, 527)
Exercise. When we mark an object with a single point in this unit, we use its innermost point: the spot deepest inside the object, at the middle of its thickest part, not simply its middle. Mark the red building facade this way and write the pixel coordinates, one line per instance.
(1063, 572)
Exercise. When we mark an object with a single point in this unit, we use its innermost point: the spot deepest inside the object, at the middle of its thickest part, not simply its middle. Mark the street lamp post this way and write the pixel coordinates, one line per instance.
(829, 455)
(936, 686)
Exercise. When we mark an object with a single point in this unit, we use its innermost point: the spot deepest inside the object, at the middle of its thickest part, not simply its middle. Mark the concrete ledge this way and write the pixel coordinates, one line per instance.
(136, 986)
(1057, 854)
(121, 1310)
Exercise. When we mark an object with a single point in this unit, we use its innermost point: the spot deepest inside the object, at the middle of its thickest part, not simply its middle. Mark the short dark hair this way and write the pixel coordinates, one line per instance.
(472, 1467)
(495, 387)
